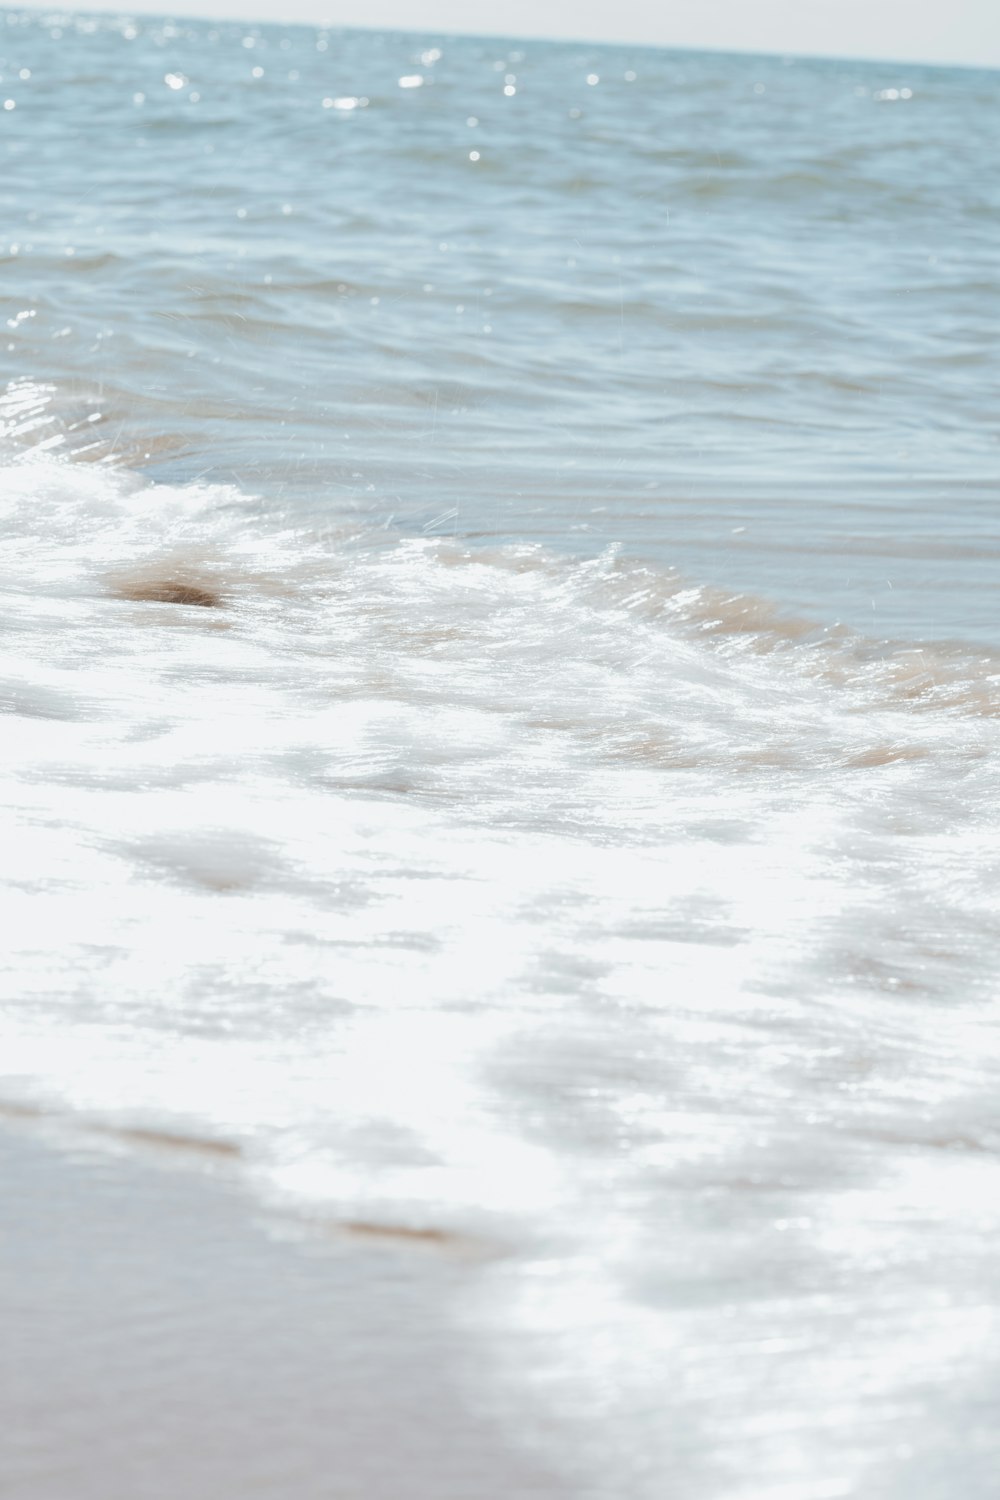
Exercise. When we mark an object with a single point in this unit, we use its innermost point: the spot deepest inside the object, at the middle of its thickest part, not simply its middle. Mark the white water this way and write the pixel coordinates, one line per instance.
(558, 904)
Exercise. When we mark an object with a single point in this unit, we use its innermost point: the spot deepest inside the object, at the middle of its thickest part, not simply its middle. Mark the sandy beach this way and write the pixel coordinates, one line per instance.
(164, 1338)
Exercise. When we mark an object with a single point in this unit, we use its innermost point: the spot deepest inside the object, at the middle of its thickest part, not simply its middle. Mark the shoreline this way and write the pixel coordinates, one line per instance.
(164, 1336)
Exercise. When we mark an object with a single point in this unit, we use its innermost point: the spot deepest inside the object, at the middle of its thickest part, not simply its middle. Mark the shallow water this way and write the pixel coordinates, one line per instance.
(502, 688)
(739, 315)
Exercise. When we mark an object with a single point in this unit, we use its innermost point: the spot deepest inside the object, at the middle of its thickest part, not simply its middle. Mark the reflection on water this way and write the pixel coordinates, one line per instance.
(736, 314)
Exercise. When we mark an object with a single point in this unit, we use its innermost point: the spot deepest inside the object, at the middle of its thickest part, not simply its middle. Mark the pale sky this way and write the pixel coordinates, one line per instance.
(946, 31)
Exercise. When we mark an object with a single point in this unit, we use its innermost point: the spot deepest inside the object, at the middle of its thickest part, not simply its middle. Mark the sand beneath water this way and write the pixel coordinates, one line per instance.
(163, 1337)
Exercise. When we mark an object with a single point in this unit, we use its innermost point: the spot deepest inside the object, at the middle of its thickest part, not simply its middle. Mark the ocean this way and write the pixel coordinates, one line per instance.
(501, 705)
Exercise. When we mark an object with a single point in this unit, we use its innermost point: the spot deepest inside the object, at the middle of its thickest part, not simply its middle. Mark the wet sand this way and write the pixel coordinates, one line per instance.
(164, 1338)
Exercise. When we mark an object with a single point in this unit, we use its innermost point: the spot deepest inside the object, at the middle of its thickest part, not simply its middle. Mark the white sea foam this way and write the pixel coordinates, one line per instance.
(623, 925)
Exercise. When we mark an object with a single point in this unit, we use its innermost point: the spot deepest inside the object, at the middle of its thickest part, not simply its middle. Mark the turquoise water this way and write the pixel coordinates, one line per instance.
(501, 714)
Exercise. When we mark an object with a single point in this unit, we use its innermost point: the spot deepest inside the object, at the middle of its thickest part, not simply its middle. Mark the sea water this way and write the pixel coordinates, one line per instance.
(501, 688)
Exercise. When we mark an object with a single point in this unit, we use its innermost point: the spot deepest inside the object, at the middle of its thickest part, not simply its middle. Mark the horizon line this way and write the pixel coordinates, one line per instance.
(787, 57)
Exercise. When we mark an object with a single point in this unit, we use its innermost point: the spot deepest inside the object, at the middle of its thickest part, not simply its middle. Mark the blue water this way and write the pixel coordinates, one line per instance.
(738, 314)
(500, 704)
